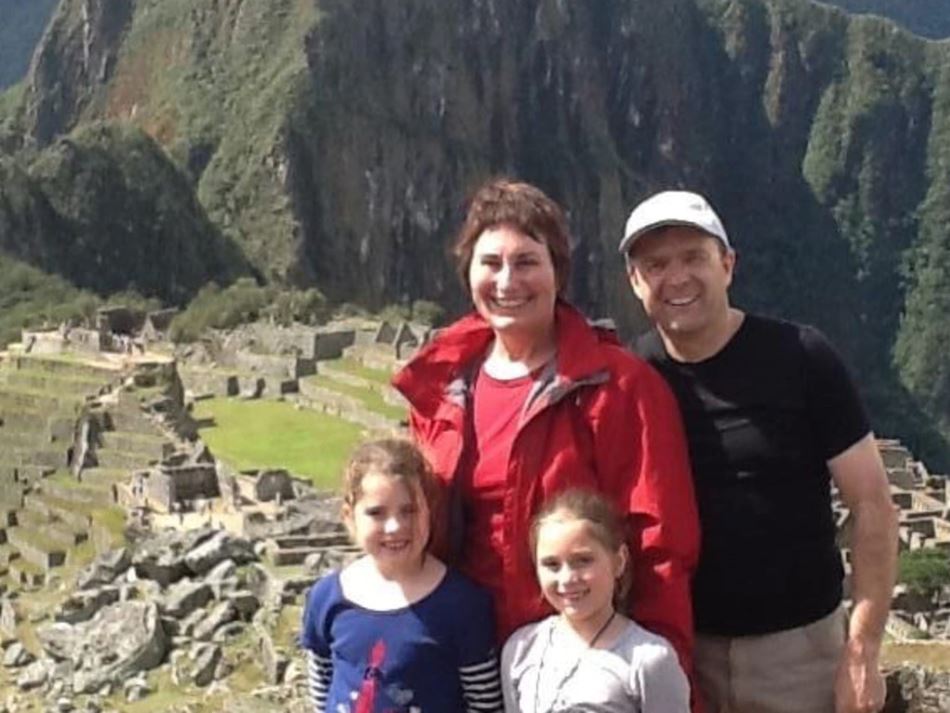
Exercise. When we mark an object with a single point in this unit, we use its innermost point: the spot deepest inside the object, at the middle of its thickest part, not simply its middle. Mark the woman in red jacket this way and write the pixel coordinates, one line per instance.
(522, 399)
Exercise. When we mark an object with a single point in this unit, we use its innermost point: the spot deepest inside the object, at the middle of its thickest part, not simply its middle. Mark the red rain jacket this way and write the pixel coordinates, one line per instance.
(603, 419)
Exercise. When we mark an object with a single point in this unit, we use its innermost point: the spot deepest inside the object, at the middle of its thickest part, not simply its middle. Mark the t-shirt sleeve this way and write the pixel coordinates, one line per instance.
(315, 626)
(834, 404)
(659, 680)
(478, 657)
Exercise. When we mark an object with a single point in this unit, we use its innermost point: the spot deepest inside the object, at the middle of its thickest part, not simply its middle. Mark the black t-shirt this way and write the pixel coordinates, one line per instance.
(762, 417)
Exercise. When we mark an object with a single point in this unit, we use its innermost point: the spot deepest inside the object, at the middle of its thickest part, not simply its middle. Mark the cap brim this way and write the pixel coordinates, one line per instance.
(630, 239)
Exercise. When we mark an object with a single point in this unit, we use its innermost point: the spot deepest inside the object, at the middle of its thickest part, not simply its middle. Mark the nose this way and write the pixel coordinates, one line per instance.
(391, 525)
(565, 575)
(504, 276)
(677, 273)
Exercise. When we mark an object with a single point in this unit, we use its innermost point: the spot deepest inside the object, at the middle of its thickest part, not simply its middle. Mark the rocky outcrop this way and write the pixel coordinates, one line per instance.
(74, 59)
(120, 640)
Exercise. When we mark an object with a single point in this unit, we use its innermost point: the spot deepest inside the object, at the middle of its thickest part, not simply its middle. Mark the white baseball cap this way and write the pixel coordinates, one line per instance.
(672, 208)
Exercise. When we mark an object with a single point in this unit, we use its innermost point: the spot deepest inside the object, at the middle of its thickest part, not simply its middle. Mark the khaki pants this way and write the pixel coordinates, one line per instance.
(789, 671)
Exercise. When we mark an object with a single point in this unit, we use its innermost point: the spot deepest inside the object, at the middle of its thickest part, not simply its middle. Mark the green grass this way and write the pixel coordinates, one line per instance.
(371, 399)
(352, 366)
(273, 434)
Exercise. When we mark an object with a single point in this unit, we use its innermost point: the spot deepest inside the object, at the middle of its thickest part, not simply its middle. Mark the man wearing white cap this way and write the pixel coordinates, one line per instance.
(772, 416)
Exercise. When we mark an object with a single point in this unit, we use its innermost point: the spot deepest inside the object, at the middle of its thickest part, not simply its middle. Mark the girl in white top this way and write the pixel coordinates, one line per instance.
(587, 657)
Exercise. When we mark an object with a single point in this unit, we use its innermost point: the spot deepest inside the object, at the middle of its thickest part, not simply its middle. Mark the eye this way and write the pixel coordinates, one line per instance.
(582, 560)
(695, 257)
(550, 564)
(527, 261)
(373, 511)
(651, 266)
(490, 261)
(409, 509)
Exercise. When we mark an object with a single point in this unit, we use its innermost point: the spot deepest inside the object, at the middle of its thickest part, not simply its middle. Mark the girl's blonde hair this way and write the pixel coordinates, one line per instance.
(603, 522)
(395, 458)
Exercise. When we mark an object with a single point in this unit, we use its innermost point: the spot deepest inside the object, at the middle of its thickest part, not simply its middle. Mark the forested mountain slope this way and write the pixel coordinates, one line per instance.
(333, 144)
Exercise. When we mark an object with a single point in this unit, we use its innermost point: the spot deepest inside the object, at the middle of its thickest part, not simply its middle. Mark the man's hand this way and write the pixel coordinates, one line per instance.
(859, 685)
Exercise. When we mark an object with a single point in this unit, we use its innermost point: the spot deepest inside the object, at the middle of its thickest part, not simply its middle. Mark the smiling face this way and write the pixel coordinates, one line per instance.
(681, 276)
(513, 282)
(576, 572)
(390, 523)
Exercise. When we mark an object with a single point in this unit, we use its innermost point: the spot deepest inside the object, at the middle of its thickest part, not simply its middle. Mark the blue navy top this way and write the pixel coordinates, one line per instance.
(435, 656)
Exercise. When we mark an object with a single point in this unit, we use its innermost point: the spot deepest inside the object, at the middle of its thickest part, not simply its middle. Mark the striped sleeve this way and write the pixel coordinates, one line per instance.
(481, 686)
(319, 673)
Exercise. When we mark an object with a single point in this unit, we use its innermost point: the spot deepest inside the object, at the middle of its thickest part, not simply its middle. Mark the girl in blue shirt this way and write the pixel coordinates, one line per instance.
(396, 631)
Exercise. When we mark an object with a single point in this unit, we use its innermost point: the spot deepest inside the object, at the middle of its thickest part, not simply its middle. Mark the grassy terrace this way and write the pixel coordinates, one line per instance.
(262, 434)
(351, 366)
(370, 398)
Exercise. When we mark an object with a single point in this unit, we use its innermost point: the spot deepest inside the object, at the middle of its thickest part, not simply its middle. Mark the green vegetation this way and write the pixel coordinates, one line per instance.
(352, 366)
(273, 434)
(216, 89)
(925, 570)
(332, 145)
(246, 301)
(370, 398)
(31, 298)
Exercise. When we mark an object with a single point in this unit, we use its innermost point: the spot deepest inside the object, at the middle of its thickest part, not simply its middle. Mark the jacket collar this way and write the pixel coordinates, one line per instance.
(441, 368)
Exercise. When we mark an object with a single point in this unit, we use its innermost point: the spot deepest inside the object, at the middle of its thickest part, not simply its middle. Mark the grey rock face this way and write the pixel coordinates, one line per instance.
(229, 632)
(82, 605)
(162, 557)
(16, 656)
(184, 597)
(222, 613)
(205, 658)
(104, 569)
(9, 618)
(34, 675)
(119, 641)
(245, 602)
(219, 547)
(273, 660)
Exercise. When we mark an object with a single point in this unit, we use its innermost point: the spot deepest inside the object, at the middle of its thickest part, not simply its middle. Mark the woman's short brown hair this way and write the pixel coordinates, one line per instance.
(502, 201)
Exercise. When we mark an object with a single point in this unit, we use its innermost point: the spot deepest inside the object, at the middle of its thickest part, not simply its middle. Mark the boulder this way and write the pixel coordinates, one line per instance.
(82, 605)
(222, 613)
(229, 632)
(136, 688)
(216, 549)
(184, 597)
(245, 602)
(162, 557)
(273, 660)
(223, 578)
(16, 656)
(104, 569)
(119, 641)
(9, 616)
(34, 675)
(205, 658)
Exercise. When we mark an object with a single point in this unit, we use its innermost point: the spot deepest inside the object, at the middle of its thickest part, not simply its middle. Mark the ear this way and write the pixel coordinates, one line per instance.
(729, 259)
(346, 514)
(635, 282)
(622, 560)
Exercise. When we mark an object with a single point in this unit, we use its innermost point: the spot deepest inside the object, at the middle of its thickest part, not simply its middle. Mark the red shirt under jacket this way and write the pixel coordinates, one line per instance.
(602, 419)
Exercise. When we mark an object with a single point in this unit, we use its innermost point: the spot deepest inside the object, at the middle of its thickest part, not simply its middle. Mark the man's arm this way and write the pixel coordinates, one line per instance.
(859, 474)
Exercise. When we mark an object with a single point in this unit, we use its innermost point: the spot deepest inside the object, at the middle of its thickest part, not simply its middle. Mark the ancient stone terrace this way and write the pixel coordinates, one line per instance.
(72, 425)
